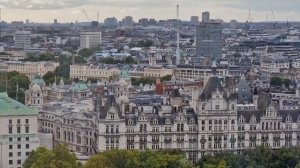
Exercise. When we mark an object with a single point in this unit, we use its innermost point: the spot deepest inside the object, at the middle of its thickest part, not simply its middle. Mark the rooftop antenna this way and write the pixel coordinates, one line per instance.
(17, 90)
(177, 49)
(6, 84)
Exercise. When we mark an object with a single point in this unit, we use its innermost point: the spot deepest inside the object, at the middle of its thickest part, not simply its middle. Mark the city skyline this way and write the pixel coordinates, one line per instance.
(71, 10)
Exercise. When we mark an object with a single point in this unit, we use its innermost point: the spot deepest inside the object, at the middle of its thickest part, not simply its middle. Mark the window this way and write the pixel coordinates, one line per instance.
(27, 121)
(18, 130)
(107, 129)
(27, 153)
(19, 153)
(10, 162)
(19, 121)
(19, 139)
(26, 129)
(117, 129)
(10, 139)
(217, 107)
(27, 146)
(19, 146)
(10, 122)
(10, 154)
(27, 138)
(10, 146)
(10, 130)
(19, 162)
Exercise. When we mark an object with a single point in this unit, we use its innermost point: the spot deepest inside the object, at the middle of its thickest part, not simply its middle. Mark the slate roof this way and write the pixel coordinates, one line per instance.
(212, 85)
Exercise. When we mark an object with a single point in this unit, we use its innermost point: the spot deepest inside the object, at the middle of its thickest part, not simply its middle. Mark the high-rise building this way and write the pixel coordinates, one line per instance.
(205, 16)
(90, 39)
(111, 22)
(209, 40)
(18, 133)
(194, 20)
(94, 24)
(127, 21)
(23, 39)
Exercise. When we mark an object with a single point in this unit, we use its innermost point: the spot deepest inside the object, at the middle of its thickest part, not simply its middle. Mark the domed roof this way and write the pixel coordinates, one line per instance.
(122, 82)
(36, 88)
(123, 99)
(38, 80)
(80, 87)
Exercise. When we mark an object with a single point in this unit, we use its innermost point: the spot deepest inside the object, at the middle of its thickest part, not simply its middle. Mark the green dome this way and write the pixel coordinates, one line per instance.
(38, 80)
(124, 74)
(80, 86)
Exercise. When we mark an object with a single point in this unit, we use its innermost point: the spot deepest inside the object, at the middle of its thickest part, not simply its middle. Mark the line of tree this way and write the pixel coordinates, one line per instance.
(62, 71)
(11, 80)
(260, 157)
(277, 81)
(60, 157)
(110, 60)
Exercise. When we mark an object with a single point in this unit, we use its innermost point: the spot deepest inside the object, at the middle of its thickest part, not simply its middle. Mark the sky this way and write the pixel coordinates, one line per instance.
(71, 10)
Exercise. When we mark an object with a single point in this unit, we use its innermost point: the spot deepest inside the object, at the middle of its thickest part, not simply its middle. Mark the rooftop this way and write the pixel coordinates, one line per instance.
(11, 107)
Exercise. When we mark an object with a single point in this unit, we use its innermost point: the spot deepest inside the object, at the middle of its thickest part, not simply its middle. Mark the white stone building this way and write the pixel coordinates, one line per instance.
(18, 133)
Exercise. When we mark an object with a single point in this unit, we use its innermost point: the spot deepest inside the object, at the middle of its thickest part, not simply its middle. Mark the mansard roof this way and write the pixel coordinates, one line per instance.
(293, 113)
(247, 114)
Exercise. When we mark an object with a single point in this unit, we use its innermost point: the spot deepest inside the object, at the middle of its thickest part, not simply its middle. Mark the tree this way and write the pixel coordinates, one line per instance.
(276, 81)
(49, 77)
(85, 52)
(166, 78)
(286, 82)
(57, 158)
(130, 60)
(137, 159)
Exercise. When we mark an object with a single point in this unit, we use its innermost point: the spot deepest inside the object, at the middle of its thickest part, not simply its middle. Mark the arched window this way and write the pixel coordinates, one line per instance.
(145, 128)
(182, 127)
(203, 122)
(232, 121)
(38, 94)
(178, 127)
(141, 128)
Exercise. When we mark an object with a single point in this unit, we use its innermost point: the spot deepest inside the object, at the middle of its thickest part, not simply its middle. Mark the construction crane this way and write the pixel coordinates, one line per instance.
(83, 11)
(274, 19)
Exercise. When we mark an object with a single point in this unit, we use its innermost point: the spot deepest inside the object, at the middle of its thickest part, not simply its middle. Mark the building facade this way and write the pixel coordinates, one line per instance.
(209, 40)
(30, 69)
(18, 134)
(90, 39)
(23, 39)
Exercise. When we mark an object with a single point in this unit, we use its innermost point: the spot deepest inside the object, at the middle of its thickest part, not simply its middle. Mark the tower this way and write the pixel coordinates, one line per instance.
(177, 49)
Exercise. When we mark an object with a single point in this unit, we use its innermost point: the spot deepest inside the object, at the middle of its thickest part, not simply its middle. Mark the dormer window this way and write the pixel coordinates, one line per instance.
(241, 119)
(288, 118)
(155, 121)
(192, 121)
(167, 121)
(112, 116)
(130, 122)
(253, 119)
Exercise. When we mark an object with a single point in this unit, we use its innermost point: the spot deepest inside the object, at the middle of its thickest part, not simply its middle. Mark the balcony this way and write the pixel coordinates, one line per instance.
(193, 140)
(155, 140)
(168, 140)
(130, 141)
(180, 140)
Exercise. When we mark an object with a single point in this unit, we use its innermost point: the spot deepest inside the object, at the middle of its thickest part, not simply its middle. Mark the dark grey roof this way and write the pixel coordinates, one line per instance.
(212, 85)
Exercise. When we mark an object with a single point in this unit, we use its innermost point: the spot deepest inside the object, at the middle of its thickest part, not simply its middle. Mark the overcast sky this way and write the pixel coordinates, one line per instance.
(71, 10)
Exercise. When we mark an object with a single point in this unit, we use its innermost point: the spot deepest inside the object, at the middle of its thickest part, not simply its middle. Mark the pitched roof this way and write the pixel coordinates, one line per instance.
(212, 85)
